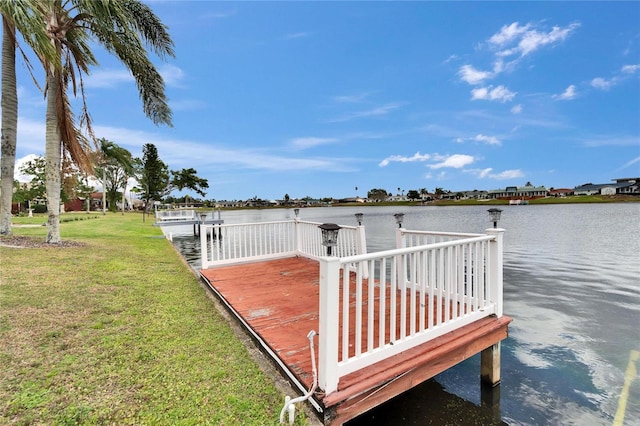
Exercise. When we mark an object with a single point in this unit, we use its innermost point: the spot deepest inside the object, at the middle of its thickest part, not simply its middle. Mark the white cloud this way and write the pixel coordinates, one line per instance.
(456, 161)
(514, 40)
(500, 93)
(309, 142)
(374, 112)
(630, 163)
(601, 83)
(533, 40)
(473, 76)
(402, 159)
(612, 140)
(568, 94)
(504, 175)
(171, 75)
(20, 162)
(107, 78)
(508, 33)
(179, 153)
(516, 109)
(351, 98)
(523, 40)
(489, 140)
(630, 69)
(508, 174)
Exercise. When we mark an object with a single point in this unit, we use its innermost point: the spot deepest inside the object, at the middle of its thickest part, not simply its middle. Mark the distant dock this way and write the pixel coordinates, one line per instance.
(181, 217)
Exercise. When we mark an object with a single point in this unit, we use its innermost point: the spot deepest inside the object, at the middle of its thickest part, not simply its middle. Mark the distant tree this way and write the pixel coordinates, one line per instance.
(152, 175)
(21, 194)
(528, 184)
(412, 194)
(116, 166)
(286, 199)
(38, 184)
(377, 194)
(188, 178)
(440, 192)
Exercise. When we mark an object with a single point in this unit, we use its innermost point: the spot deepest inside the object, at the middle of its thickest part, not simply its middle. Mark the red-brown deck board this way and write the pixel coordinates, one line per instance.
(279, 300)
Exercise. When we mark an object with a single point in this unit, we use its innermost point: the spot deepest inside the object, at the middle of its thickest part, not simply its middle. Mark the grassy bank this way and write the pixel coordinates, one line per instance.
(119, 331)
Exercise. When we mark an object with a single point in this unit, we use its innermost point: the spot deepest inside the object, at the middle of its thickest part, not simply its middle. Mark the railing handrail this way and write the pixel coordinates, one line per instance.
(438, 233)
(413, 249)
(271, 240)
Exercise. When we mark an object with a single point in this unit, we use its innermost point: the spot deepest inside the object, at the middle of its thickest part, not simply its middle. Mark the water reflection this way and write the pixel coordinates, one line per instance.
(571, 285)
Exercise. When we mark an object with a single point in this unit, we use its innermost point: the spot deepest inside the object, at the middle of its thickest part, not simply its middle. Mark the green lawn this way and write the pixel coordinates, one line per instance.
(119, 331)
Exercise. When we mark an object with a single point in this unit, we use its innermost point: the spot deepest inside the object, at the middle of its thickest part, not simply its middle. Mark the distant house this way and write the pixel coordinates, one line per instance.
(527, 192)
(628, 185)
(560, 192)
(472, 195)
(621, 186)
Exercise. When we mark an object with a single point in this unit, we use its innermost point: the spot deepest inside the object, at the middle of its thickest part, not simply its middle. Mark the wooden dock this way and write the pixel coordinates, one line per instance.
(278, 301)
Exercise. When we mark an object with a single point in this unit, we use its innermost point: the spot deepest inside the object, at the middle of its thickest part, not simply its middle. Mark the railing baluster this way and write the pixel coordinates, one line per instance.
(393, 290)
(370, 311)
(382, 331)
(358, 330)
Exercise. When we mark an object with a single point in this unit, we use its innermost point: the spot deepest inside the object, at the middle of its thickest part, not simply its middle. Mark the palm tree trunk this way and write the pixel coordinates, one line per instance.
(53, 158)
(124, 189)
(9, 125)
(104, 190)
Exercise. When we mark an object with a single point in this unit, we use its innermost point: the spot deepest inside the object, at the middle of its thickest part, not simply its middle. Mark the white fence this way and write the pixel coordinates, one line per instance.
(250, 242)
(401, 298)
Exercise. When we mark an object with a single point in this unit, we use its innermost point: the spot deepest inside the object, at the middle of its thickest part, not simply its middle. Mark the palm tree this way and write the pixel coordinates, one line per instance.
(119, 26)
(119, 162)
(17, 15)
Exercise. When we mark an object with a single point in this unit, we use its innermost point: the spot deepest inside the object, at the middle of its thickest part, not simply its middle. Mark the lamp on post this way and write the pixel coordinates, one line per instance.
(359, 218)
(399, 218)
(329, 236)
(296, 211)
(203, 217)
(494, 216)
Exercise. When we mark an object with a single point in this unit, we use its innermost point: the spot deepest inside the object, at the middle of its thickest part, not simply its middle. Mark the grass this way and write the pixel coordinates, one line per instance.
(119, 331)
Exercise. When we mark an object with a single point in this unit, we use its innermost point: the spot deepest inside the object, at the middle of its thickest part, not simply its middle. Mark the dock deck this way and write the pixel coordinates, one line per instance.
(278, 301)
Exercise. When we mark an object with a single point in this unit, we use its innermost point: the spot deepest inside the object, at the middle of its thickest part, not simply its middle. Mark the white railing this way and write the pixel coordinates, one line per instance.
(249, 242)
(412, 238)
(175, 215)
(398, 299)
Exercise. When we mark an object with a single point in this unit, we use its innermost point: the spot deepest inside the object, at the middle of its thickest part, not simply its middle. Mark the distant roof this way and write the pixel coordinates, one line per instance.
(597, 186)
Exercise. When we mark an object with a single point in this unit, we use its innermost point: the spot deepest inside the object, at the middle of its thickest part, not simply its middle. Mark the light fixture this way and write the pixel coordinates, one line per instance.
(329, 236)
(399, 218)
(359, 218)
(296, 211)
(494, 216)
(203, 217)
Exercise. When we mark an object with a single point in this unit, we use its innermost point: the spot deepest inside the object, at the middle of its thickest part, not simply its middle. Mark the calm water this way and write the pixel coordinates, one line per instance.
(572, 287)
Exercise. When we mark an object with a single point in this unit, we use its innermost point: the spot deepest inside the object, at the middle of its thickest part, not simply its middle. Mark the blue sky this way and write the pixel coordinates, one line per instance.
(318, 98)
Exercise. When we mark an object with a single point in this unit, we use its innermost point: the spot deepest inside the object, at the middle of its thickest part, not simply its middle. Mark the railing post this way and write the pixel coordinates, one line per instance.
(329, 303)
(203, 247)
(298, 234)
(496, 253)
(361, 243)
(400, 239)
